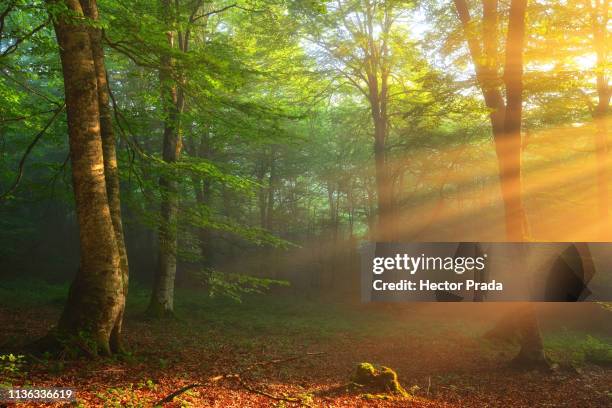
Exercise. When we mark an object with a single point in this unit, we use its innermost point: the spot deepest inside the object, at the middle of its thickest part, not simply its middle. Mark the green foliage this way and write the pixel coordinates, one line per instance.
(277, 125)
(128, 397)
(11, 364)
(148, 384)
(597, 351)
(235, 286)
(579, 348)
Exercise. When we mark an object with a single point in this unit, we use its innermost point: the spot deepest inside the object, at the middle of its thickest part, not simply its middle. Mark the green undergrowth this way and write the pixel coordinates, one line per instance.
(31, 293)
(282, 313)
(579, 348)
(283, 322)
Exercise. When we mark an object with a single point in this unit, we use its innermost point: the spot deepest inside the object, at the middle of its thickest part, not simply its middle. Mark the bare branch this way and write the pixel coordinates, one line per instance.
(237, 377)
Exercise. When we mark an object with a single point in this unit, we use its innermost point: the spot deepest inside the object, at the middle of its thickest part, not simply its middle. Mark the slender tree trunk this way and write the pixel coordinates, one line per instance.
(202, 189)
(333, 209)
(599, 21)
(532, 348)
(97, 296)
(601, 152)
(203, 198)
(351, 209)
(162, 298)
(384, 190)
(271, 191)
(510, 144)
(261, 172)
(111, 171)
(371, 212)
(337, 215)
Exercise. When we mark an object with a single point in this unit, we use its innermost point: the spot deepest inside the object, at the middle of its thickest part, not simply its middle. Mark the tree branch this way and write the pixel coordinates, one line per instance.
(13, 47)
(238, 378)
(27, 152)
(210, 13)
(5, 13)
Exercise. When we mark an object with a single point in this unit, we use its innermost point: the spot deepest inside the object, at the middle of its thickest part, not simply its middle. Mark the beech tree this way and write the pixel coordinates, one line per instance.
(181, 22)
(173, 103)
(360, 43)
(505, 116)
(506, 123)
(96, 300)
(253, 123)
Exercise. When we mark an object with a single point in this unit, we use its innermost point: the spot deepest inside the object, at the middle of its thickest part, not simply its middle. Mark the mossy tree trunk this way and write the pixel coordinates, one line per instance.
(111, 172)
(96, 298)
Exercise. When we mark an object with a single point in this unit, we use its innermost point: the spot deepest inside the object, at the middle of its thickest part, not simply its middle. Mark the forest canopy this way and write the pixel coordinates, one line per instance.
(247, 146)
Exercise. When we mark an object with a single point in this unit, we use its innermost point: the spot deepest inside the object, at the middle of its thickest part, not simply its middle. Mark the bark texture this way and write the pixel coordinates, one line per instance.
(503, 114)
(532, 349)
(510, 144)
(111, 171)
(162, 298)
(377, 73)
(96, 299)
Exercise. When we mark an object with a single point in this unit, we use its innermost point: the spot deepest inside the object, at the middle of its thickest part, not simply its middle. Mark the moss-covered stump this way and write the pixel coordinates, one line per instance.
(381, 381)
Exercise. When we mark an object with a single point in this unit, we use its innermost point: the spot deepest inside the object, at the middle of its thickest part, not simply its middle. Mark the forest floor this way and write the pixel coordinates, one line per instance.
(437, 350)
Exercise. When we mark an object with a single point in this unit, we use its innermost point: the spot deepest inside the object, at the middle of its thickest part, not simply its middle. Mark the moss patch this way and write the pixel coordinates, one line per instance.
(378, 382)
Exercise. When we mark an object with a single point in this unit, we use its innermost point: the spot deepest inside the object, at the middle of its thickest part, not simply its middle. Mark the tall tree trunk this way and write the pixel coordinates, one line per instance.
(383, 185)
(203, 198)
(532, 349)
(506, 121)
(271, 190)
(202, 188)
(507, 147)
(351, 209)
(510, 144)
(162, 298)
(261, 172)
(599, 23)
(96, 298)
(333, 209)
(601, 152)
(111, 172)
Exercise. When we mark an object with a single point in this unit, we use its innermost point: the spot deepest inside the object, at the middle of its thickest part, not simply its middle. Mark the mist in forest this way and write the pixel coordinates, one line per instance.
(187, 189)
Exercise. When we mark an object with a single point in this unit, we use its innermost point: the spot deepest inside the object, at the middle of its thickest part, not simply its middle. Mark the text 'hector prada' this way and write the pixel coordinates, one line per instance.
(426, 285)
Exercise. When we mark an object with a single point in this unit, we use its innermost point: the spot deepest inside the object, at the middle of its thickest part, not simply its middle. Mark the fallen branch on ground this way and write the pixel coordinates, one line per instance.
(238, 377)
